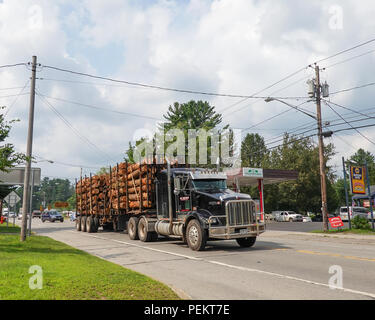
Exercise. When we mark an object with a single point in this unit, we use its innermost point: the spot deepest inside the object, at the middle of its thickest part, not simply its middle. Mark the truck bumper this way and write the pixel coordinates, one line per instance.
(235, 232)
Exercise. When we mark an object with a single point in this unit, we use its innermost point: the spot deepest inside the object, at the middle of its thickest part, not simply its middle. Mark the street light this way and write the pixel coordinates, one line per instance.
(269, 99)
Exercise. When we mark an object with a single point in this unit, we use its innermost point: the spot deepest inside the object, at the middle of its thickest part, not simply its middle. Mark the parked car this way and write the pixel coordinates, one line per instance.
(52, 216)
(353, 211)
(306, 219)
(289, 216)
(36, 214)
(12, 215)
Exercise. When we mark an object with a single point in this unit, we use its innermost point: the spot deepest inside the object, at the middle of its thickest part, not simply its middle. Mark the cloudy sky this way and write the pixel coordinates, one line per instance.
(227, 46)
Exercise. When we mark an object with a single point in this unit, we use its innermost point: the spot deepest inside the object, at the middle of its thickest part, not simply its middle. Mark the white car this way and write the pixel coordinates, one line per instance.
(354, 211)
(306, 219)
(289, 216)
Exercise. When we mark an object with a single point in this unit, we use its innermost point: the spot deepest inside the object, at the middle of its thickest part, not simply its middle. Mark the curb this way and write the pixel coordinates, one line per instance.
(342, 236)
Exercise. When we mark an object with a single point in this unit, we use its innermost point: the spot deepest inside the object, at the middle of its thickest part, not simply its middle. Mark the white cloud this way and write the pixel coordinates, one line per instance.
(219, 46)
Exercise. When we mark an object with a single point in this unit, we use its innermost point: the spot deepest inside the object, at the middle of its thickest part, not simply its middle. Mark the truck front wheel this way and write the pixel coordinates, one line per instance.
(195, 236)
(133, 228)
(246, 242)
(143, 233)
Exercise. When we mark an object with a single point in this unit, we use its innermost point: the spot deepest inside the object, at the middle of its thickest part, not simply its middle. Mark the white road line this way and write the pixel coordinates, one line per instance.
(143, 247)
(368, 294)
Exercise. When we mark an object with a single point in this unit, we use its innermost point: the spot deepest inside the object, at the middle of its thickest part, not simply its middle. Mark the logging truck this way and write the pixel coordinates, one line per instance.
(152, 200)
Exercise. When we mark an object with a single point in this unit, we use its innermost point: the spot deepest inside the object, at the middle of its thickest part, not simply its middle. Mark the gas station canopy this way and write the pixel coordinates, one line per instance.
(251, 176)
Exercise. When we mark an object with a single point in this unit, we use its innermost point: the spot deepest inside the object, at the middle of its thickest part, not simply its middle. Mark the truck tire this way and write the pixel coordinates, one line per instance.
(196, 237)
(90, 224)
(78, 224)
(246, 242)
(133, 228)
(143, 234)
(96, 224)
(83, 223)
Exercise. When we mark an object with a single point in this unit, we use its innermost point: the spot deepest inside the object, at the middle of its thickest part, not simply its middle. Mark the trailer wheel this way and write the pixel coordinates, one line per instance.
(133, 228)
(78, 224)
(89, 225)
(195, 236)
(83, 223)
(96, 224)
(246, 242)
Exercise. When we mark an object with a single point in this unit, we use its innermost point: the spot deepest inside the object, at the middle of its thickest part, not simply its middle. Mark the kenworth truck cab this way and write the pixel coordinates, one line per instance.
(197, 205)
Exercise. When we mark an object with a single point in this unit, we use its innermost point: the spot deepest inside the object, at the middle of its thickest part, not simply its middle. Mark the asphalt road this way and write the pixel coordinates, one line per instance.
(281, 265)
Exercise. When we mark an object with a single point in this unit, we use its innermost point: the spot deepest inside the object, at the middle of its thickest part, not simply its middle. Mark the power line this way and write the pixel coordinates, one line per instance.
(154, 86)
(15, 100)
(277, 115)
(354, 88)
(13, 65)
(82, 137)
(346, 50)
(348, 123)
(346, 108)
(13, 95)
(100, 108)
(349, 59)
(67, 164)
(299, 70)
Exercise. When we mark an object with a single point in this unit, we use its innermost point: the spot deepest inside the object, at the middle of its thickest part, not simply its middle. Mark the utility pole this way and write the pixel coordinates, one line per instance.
(26, 189)
(323, 185)
(346, 193)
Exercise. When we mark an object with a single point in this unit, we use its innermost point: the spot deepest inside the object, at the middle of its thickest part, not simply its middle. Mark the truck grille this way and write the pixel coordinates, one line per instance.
(240, 212)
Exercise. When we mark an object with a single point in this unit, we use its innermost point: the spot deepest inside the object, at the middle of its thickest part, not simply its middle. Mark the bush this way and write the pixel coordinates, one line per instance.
(360, 223)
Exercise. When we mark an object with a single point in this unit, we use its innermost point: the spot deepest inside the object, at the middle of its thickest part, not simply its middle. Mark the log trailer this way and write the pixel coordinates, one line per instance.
(148, 200)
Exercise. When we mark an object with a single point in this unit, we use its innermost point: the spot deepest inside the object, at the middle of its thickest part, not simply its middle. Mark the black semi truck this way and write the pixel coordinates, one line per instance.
(193, 204)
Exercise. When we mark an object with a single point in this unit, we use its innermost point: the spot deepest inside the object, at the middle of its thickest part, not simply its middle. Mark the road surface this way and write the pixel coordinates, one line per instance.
(281, 265)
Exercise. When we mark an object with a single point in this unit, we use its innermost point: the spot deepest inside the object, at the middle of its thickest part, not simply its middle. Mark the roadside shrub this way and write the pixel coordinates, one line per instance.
(360, 223)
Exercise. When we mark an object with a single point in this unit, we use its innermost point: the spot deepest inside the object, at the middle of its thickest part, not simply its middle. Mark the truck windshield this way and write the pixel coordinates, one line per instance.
(209, 184)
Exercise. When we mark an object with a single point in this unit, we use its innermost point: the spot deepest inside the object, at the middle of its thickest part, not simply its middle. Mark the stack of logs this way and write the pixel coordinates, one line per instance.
(126, 187)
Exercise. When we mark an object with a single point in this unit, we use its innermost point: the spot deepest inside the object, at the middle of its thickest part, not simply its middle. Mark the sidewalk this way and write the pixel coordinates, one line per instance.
(273, 233)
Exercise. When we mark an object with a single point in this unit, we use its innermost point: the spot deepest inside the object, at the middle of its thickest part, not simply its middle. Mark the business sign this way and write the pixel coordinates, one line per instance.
(336, 222)
(357, 180)
(252, 172)
(60, 204)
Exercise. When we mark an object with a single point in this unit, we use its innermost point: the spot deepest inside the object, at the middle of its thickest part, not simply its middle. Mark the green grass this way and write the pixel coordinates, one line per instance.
(347, 231)
(10, 229)
(69, 274)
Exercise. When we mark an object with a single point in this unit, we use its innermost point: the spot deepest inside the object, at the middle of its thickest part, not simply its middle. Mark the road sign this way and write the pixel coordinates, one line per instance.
(336, 222)
(357, 180)
(16, 176)
(60, 204)
(12, 198)
(252, 172)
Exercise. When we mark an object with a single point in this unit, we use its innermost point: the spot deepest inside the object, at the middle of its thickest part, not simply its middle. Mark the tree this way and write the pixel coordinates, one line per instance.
(254, 152)
(360, 157)
(8, 157)
(50, 191)
(102, 170)
(191, 115)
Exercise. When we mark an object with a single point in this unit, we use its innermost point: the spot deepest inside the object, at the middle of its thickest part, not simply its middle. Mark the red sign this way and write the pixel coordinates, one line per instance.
(336, 222)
